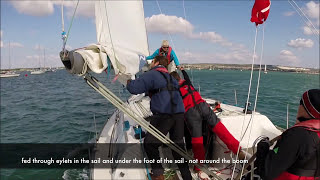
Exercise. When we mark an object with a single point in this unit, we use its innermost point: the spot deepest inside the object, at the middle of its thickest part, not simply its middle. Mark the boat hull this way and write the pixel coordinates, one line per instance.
(232, 117)
(9, 75)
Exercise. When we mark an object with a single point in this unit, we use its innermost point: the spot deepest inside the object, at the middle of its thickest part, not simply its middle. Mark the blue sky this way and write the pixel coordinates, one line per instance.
(221, 31)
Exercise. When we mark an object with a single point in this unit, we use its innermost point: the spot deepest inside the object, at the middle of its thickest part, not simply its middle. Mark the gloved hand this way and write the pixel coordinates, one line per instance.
(263, 145)
(262, 152)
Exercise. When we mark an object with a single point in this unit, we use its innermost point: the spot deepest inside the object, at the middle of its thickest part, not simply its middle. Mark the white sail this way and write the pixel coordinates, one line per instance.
(121, 30)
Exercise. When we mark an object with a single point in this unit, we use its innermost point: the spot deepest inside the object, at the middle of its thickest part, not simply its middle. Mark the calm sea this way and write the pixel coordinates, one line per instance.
(57, 107)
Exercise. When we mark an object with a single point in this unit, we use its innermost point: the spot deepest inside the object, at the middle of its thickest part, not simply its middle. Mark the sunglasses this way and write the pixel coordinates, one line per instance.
(165, 47)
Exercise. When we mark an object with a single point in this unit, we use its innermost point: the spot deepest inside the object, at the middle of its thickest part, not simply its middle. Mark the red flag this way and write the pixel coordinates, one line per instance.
(260, 11)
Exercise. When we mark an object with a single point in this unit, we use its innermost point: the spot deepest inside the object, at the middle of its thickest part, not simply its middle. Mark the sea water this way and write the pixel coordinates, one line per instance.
(57, 107)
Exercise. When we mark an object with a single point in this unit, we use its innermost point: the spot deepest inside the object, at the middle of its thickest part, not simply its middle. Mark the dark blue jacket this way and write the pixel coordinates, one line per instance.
(160, 102)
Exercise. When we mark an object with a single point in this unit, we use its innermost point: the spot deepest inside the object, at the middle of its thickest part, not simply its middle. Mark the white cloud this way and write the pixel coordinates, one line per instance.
(16, 44)
(12, 45)
(286, 53)
(164, 24)
(45, 8)
(34, 8)
(289, 13)
(307, 30)
(231, 57)
(84, 9)
(288, 58)
(301, 43)
(31, 57)
(312, 9)
(38, 47)
(68, 47)
(310, 31)
(52, 60)
(211, 37)
(1, 42)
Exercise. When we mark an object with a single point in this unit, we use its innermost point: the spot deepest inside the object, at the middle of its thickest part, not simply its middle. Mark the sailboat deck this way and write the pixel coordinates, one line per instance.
(231, 116)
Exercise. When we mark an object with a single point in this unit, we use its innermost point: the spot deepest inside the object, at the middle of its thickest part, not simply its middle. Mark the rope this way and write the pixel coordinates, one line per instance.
(249, 89)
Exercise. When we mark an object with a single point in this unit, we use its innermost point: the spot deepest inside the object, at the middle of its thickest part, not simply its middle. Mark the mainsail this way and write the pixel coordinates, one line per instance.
(124, 36)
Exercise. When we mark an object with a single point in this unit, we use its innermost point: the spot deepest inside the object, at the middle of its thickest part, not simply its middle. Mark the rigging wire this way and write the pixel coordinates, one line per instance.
(304, 17)
(256, 98)
(62, 16)
(65, 39)
(185, 17)
(248, 97)
(173, 46)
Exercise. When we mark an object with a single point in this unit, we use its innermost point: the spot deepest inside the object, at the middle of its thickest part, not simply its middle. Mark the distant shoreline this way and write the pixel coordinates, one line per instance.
(256, 67)
(207, 66)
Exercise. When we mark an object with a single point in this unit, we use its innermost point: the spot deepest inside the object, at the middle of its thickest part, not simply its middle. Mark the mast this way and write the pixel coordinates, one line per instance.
(39, 62)
(44, 58)
(9, 55)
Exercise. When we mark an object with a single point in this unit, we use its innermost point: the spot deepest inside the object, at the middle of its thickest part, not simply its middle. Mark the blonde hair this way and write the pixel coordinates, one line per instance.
(165, 43)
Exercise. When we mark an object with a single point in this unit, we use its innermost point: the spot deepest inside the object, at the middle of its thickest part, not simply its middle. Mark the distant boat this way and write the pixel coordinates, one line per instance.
(265, 69)
(40, 71)
(9, 73)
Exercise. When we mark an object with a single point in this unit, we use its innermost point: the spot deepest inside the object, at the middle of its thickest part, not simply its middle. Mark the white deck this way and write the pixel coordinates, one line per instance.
(232, 117)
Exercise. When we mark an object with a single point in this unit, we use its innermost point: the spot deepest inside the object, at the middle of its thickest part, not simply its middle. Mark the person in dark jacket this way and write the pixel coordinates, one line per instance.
(198, 115)
(167, 108)
(297, 154)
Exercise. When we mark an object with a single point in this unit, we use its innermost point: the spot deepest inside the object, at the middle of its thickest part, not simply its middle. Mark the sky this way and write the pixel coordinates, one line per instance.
(214, 31)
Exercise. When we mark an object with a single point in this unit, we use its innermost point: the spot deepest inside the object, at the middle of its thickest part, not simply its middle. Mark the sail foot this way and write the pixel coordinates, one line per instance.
(73, 61)
(80, 61)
